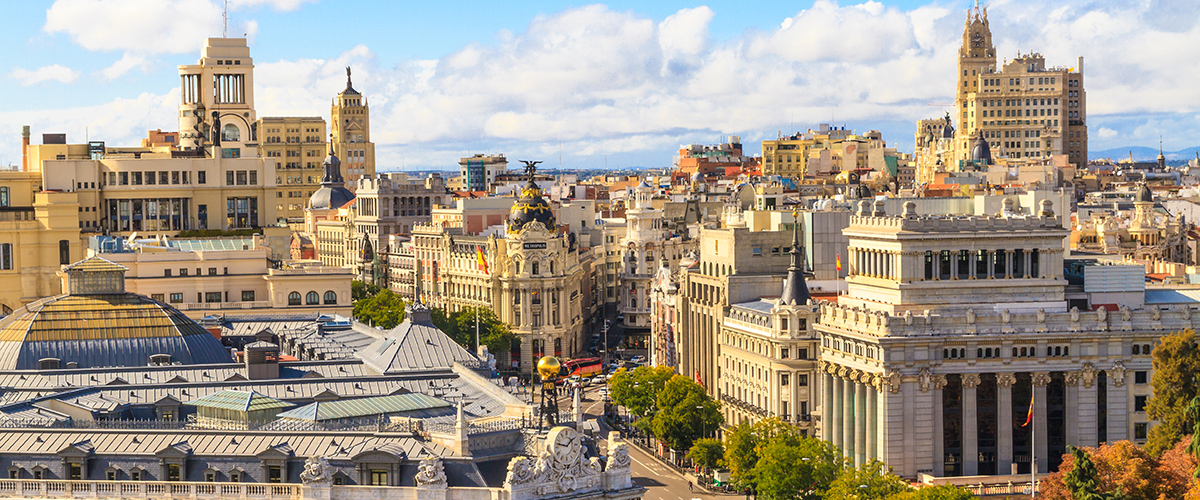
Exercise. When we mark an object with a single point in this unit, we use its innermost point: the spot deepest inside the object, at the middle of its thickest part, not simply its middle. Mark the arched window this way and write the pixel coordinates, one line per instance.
(535, 268)
(312, 298)
(231, 133)
(294, 299)
(330, 298)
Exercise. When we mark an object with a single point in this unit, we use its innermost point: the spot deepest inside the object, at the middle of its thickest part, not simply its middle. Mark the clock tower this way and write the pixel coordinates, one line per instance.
(976, 57)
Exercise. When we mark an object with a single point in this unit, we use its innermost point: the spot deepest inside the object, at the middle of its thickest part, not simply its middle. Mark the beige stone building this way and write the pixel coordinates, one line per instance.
(226, 276)
(646, 245)
(827, 151)
(479, 171)
(350, 124)
(951, 325)
(298, 146)
(40, 231)
(1022, 108)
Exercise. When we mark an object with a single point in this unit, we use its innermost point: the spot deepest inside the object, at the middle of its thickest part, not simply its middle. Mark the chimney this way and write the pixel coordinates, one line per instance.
(25, 148)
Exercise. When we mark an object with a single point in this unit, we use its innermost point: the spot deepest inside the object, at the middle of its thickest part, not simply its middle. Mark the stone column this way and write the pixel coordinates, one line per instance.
(847, 416)
(1072, 395)
(860, 423)
(939, 438)
(1041, 444)
(970, 427)
(1088, 411)
(838, 417)
(872, 423)
(1008, 263)
(827, 406)
(972, 264)
(1004, 425)
(1118, 404)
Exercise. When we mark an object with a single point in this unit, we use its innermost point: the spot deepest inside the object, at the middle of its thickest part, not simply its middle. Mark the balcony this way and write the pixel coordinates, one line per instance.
(214, 306)
(45, 488)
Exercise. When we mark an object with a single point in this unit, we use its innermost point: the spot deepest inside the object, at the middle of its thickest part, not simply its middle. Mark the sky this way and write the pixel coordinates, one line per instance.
(617, 84)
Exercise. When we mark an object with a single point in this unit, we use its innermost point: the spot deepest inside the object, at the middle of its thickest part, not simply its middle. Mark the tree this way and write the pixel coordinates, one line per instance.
(1176, 362)
(940, 492)
(638, 389)
(684, 413)
(385, 310)
(1122, 470)
(707, 453)
(1082, 480)
(869, 482)
(360, 290)
(792, 467)
(742, 444)
(460, 326)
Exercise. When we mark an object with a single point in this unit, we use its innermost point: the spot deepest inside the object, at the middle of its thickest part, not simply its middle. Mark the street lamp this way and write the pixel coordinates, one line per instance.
(703, 424)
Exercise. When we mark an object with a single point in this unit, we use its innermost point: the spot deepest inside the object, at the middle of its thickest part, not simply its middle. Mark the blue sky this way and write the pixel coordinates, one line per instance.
(620, 83)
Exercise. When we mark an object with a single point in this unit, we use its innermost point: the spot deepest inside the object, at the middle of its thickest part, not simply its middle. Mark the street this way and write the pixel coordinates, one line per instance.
(661, 482)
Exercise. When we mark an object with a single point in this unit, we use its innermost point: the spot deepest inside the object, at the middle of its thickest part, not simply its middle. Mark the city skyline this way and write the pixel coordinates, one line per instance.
(650, 78)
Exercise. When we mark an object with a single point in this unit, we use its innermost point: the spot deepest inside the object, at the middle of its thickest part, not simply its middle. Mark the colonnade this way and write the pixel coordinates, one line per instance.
(852, 421)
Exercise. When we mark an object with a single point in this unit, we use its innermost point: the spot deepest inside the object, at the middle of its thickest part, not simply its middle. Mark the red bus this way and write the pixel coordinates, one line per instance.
(585, 367)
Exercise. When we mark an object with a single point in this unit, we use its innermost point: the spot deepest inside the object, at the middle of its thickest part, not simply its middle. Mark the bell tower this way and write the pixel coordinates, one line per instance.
(350, 123)
(977, 56)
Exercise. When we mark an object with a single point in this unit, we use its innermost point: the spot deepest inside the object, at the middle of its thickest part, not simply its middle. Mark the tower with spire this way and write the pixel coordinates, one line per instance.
(795, 289)
(350, 123)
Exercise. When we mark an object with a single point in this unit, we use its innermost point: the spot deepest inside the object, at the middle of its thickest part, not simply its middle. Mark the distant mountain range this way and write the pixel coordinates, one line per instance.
(1141, 153)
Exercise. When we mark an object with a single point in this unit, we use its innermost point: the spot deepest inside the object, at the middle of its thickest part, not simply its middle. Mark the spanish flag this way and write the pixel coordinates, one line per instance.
(482, 259)
(1029, 417)
(839, 262)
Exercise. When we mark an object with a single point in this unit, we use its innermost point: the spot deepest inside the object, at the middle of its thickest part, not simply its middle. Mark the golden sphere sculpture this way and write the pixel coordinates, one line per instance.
(548, 367)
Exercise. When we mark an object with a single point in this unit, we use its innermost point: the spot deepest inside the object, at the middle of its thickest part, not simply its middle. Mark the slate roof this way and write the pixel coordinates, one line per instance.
(225, 443)
(414, 346)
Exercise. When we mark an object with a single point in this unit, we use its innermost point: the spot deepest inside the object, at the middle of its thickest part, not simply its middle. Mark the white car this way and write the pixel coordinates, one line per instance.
(637, 360)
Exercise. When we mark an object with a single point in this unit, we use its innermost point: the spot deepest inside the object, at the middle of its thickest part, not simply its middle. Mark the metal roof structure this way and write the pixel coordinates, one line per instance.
(213, 244)
(350, 408)
(414, 346)
(244, 401)
(104, 330)
(42, 380)
(96, 264)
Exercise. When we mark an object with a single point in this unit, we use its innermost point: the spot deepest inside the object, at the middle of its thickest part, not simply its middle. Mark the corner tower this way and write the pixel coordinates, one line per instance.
(217, 100)
(350, 123)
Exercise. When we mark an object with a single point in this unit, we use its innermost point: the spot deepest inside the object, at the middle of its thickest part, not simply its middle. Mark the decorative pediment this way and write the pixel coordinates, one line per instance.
(234, 377)
(118, 381)
(280, 451)
(326, 394)
(178, 379)
(178, 450)
(77, 450)
(561, 468)
(167, 400)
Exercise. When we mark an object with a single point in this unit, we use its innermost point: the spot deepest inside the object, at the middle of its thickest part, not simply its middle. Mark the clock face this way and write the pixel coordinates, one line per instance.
(977, 40)
(564, 444)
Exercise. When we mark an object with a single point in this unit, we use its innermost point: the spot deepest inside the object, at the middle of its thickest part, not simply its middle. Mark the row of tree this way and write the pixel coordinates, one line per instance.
(774, 460)
(385, 309)
(673, 408)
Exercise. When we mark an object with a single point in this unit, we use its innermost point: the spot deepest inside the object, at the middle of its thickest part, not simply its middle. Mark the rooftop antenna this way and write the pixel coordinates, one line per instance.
(225, 21)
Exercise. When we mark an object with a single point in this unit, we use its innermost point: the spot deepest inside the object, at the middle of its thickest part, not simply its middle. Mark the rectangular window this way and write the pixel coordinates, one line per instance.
(241, 177)
(158, 297)
(6, 256)
(783, 379)
(173, 472)
(76, 472)
(135, 475)
(801, 353)
(183, 271)
(1139, 403)
(378, 477)
(231, 152)
(1139, 430)
(783, 353)
(802, 380)
(253, 178)
(64, 252)
(229, 178)
(274, 474)
(1140, 377)
(177, 298)
(212, 271)
(4, 200)
(247, 295)
(201, 177)
(174, 178)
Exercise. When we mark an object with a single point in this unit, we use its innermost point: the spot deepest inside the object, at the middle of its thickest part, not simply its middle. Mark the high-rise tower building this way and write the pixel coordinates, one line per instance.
(350, 124)
(217, 100)
(1023, 109)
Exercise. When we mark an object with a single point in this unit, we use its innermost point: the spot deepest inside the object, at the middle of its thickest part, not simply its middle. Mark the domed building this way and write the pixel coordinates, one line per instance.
(97, 324)
(531, 207)
(333, 193)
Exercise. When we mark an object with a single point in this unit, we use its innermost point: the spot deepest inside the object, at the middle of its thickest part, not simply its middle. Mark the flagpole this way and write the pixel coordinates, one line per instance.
(1033, 459)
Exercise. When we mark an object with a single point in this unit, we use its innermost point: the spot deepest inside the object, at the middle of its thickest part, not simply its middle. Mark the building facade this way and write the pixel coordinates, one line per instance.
(480, 171)
(951, 325)
(298, 145)
(1023, 109)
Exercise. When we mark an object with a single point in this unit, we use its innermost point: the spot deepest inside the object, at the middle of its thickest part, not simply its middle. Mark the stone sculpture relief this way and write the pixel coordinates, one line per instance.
(431, 472)
(316, 472)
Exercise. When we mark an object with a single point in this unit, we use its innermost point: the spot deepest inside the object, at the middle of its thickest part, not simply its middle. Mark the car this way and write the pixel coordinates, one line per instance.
(637, 360)
(584, 382)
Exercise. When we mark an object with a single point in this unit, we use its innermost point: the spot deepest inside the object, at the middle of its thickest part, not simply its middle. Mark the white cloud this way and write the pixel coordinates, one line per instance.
(281, 5)
(599, 82)
(51, 73)
(123, 65)
(139, 26)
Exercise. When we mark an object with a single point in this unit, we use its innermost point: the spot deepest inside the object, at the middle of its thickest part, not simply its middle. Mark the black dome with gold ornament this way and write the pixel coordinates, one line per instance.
(530, 205)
